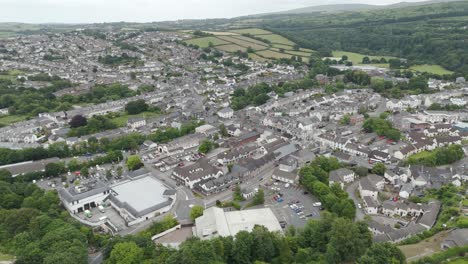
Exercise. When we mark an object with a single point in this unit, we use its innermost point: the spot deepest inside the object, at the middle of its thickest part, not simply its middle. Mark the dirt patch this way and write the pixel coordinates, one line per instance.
(424, 248)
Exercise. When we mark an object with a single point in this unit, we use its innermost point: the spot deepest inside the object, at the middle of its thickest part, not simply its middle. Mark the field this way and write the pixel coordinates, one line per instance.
(424, 248)
(233, 41)
(231, 48)
(10, 75)
(121, 121)
(10, 119)
(459, 261)
(277, 39)
(435, 69)
(205, 41)
(6, 258)
(253, 31)
(356, 58)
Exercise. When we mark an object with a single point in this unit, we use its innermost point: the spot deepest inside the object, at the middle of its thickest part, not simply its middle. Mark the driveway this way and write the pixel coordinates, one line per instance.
(351, 190)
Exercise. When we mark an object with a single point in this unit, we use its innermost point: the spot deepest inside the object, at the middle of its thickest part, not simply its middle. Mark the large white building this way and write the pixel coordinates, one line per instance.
(216, 222)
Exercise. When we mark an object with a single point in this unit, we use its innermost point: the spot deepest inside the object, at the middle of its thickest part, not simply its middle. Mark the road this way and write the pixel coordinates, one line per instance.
(351, 190)
(95, 258)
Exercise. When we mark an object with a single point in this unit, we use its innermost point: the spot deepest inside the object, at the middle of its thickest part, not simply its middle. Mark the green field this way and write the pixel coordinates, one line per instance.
(435, 69)
(459, 261)
(233, 41)
(253, 31)
(6, 257)
(121, 121)
(10, 75)
(10, 119)
(231, 48)
(205, 41)
(277, 39)
(356, 58)
(244, 43)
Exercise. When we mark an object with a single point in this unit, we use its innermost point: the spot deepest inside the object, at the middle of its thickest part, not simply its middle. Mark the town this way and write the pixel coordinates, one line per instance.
(136, 128)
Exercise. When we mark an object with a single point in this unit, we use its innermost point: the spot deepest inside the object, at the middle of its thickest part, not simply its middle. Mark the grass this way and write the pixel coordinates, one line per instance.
(274, 38)
(251, 40)
(424, 248)
(231, 48)
(459, 261)
(10, 119)
(6, 257)
(254, 56)
(205, 41)
(356, 58)
(282, 46)
(11, 75)
(435, 69)
(273, 54)
(244, 43)
(253, 31)
(121, 121)
(465, 203)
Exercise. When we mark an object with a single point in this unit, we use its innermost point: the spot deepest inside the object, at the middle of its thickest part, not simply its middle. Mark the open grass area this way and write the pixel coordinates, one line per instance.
(251, 40)
(435, 69)
(424, 248)
(10, 75)
(244, 43)
(6, 257)
(274, 38)
(273, 54)
(459, 261)
(205, 41)
(253, 31)
(231, 48)
(121, 121)
(254, 56)
(282, 46)
(356, 58)
(10, 119)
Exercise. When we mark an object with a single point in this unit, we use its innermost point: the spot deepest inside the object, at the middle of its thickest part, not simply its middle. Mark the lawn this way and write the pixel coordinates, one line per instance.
(254, 56)
(356, 58)
(244, 43)
(250, 40)
(273, 54)
(121, 121)
(424, 248)
(6, 257)
(231, 48)
(435, 69)
(205, 41)
(459, 261)
(274, 38)
(253, 31)
(10, 119)
(282, 46)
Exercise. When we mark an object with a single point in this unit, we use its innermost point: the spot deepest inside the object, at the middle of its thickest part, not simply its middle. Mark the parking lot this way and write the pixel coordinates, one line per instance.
(291, 195)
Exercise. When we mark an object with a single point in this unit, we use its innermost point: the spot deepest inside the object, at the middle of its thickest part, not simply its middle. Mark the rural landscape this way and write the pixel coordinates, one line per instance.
(334, 133)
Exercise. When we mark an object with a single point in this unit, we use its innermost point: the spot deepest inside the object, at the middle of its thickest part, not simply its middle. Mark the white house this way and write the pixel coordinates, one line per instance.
(226, 113)
(136, 122)
(341, 176)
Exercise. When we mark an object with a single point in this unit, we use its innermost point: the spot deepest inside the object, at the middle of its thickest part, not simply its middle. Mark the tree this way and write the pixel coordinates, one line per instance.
(196, 211)
(382, 253)
(54, 169)
(366, 60)
(361, 171)
(344, 58)
(345, 120)
(222, 127)
(259, 197)
(136, 107)
(78, 121)
(126, 253)
(379, 168)
(237, 195)
(206, 146)
(134, 162)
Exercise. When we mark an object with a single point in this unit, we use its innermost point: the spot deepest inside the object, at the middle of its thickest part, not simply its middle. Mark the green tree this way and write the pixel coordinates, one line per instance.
(222, 127)
(379, 168)
(136, 107)
(54, 169)
(134, 162)
(259, 197)
(206, 146)
(196, 211)
(126, 253)
(382, 253)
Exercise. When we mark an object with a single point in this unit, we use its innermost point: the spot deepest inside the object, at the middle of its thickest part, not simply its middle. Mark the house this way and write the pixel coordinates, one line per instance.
(288, 164)
(371, 185)
(341, 176)
(191, 174)
(395, 176)
(370, 205)
(216, 222)
(150, 144)
(284, 176)
(406, 190)
(226, 113)
(456, 238)
(248, 193)
(136, 122)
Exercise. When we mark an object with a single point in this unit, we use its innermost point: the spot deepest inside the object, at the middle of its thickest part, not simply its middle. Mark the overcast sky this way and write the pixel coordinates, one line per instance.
(95, 11)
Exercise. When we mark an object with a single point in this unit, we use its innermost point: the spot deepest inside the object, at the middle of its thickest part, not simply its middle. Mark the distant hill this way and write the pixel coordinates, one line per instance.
(354, 7)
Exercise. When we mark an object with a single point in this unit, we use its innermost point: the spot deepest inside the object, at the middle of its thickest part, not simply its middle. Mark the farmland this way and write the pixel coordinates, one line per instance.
(356, 58)
(273, 46)
(435, 69)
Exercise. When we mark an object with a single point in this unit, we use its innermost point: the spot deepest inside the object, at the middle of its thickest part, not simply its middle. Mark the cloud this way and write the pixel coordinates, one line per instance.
(88, 11)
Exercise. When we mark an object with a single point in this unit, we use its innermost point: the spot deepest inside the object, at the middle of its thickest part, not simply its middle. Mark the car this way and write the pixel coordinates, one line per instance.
(310, 215)
(359, 206)
(321, 208)
(306, 192)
